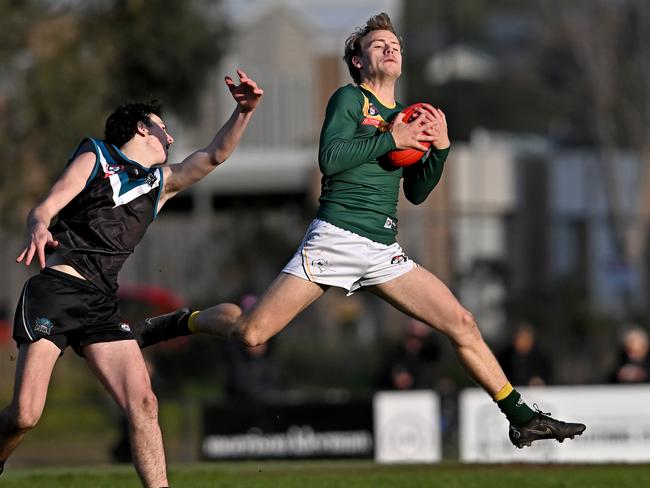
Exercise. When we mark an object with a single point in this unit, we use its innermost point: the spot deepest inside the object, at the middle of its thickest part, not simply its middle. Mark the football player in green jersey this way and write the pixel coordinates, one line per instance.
(351, 243)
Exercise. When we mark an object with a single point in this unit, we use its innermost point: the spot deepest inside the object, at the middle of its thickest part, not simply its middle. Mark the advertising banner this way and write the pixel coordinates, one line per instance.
(282, 431)
(617, 419)
(407, 427)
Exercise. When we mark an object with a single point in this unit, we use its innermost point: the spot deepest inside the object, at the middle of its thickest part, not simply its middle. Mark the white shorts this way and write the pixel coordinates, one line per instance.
(333, 256)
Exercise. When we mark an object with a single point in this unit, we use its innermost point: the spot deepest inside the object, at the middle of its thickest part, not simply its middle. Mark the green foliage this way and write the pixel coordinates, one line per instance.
(14, 22)
(528, 78)
(159, 49)
(64, 70)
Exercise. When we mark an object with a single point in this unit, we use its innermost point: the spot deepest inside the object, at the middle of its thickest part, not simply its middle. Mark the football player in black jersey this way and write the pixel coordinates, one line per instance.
(109, 193)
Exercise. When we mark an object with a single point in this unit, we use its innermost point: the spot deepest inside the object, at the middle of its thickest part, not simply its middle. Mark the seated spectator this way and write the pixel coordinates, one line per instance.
(634, 362)
(252, 372)
(409, 366)
(523, 361)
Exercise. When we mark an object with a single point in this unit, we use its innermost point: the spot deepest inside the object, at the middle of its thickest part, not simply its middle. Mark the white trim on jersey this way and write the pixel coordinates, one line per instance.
(116, 184)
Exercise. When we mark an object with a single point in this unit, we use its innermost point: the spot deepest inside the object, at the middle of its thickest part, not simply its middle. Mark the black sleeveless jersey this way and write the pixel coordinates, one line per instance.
(99, 229)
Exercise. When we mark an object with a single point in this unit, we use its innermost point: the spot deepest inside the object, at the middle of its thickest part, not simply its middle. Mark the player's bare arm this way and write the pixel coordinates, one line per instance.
(71, 182)
(200, 163)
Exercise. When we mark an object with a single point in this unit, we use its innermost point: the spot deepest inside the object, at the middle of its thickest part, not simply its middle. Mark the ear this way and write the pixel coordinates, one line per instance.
(356, 61)
(142, 128)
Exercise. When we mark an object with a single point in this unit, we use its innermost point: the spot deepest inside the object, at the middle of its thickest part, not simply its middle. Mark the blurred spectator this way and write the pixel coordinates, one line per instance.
(634, 362)
(523, 361)
(410, 365)
(252, 372)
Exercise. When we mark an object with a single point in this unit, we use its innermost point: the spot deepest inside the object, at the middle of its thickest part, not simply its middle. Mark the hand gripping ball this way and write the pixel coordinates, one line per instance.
(406, 157)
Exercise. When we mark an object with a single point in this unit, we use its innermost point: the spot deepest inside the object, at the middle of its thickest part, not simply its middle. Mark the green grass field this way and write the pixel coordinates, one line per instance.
(342, 474)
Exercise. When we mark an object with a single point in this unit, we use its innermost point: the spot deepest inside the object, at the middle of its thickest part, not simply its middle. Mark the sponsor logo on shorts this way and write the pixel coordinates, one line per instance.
(321, 264)
(125, 327)
(400, 258)
(390, 224)
(43, 325)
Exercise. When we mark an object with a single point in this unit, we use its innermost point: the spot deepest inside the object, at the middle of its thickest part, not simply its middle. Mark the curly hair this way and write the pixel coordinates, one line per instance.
(353, 42)
(122, 124)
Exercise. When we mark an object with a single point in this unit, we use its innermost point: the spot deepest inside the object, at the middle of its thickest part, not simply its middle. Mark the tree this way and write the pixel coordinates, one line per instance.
(15, 18)
(609, 41)
(70, 67)
(160, 47)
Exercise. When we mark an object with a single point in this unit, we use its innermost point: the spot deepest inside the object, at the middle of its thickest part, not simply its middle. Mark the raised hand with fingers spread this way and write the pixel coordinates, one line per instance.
(247, 94)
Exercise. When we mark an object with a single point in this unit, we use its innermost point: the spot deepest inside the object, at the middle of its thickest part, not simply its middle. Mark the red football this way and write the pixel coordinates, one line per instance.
(406, 157)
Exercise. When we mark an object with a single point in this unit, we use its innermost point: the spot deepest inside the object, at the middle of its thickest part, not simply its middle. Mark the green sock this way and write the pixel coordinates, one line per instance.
(515, 409)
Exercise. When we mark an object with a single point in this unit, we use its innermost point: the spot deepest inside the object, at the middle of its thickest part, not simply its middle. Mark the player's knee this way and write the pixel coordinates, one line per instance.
(252, 336)
(144, 404)
(465, 329)
(26, 419)
(231, 312)
(150, 404)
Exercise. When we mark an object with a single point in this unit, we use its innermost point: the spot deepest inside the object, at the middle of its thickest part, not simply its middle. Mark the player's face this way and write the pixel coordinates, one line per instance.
(160, 139)
(381, 56)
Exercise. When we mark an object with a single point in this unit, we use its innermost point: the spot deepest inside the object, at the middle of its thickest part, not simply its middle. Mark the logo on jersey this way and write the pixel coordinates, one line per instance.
(43, 325)
(112, 169)
(400, 258)
(321, 264)
(390, 224)
(371, 116)
(126, 189)
(151, 179)
(125, 327)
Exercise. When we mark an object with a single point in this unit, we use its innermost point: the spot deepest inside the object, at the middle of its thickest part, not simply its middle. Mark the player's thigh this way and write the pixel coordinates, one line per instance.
(34, 367)
(121, 368)
(285, 298)
(420, 294)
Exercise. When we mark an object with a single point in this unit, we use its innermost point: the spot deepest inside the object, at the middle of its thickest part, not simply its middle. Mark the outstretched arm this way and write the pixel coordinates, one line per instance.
(68, 186)
(201, 162)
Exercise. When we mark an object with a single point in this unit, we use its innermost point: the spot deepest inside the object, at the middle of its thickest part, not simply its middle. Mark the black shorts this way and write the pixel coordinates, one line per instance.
(68, 311)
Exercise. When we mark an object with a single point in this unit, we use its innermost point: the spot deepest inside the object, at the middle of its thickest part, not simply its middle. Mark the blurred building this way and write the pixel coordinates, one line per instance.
(294, 50)
(269, 187)
(513, 214)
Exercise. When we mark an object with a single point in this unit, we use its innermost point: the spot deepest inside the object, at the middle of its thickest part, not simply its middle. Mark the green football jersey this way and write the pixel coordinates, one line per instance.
(359, 191)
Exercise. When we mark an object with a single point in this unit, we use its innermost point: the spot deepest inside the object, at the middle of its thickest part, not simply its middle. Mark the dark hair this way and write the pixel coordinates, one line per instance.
(122, 124)
(353, 42)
